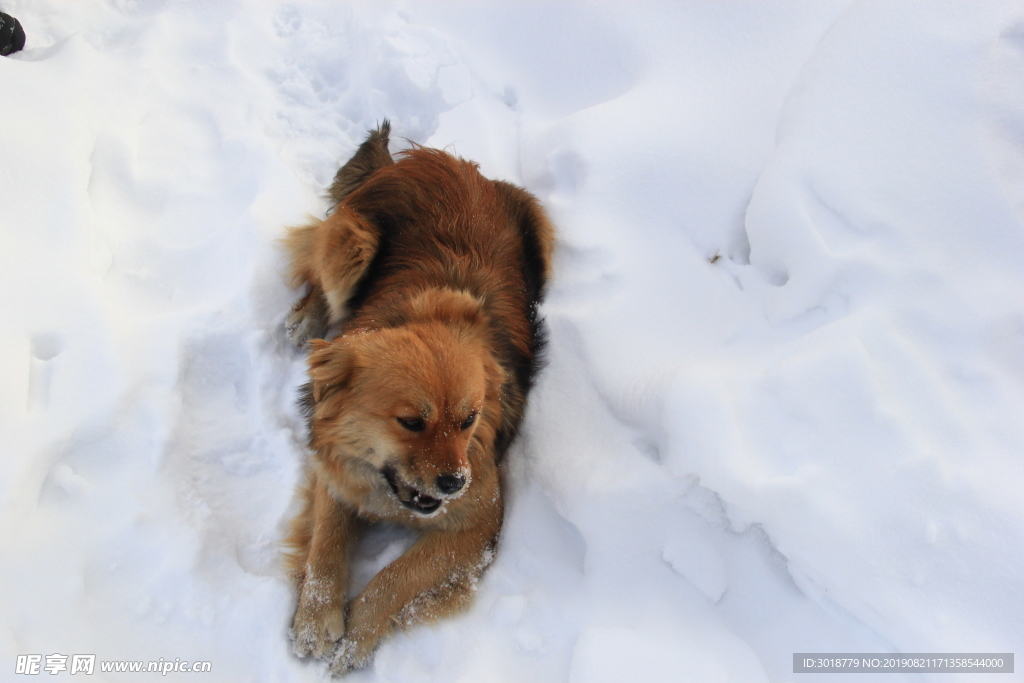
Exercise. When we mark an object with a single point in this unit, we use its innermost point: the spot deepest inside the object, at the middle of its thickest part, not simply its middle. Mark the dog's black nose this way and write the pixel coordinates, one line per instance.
(450, 483)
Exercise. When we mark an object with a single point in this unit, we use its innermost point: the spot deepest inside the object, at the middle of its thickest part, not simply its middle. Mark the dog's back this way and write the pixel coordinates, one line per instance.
(434, 274)
(443, 225)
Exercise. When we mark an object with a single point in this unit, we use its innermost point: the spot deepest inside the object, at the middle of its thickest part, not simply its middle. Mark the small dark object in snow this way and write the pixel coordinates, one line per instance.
(12, 35)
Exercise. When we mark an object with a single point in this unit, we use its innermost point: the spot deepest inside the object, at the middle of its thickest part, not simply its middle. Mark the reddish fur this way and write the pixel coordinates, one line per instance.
(443, 270)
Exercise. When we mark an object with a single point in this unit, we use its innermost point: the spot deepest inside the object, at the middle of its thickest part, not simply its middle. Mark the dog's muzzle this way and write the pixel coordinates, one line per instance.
(411, 498)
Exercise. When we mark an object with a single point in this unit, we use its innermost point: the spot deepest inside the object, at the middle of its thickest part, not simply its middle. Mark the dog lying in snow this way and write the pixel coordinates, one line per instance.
(435, 274)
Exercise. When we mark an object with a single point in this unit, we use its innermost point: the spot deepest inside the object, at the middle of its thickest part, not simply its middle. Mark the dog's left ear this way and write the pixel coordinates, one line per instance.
(495, 374)
(330, 366)
(496, 403)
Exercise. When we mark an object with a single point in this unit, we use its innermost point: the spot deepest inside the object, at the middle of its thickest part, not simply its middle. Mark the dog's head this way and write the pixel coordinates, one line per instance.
(407, 405)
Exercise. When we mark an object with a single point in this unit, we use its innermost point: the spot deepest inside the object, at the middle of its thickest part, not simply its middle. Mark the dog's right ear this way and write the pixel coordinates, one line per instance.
(330, 366)
(371, 155)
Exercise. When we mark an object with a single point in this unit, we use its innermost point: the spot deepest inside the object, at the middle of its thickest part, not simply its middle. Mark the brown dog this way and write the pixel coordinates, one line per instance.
(436, 274)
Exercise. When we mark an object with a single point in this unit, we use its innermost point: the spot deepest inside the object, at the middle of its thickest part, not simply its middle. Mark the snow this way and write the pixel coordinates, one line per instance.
(784, 404)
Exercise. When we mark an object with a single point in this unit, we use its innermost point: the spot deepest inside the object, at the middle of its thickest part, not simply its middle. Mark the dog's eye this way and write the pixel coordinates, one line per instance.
(468, 422)
(413, 424)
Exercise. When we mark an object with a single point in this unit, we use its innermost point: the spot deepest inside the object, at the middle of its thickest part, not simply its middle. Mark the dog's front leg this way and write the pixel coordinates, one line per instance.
(434, 578)
(320, 617)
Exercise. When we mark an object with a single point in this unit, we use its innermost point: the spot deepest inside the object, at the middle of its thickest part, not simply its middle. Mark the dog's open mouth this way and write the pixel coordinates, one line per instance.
(408, 496)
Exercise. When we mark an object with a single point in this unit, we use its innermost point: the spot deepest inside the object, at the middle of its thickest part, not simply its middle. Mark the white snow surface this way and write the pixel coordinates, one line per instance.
(783, 409)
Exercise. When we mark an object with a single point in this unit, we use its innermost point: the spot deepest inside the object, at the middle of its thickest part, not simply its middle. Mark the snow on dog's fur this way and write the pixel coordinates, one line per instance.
(435, 274)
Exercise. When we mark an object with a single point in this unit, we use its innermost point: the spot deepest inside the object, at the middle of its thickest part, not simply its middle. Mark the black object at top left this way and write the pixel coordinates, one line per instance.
(12, 35)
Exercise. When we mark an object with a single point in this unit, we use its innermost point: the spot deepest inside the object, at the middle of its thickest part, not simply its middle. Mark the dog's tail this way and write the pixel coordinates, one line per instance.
(371, 155)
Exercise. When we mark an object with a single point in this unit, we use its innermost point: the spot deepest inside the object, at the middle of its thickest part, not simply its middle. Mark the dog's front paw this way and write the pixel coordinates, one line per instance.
(319, 623)
(351, 653)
